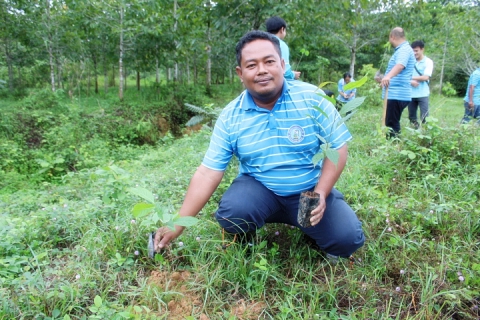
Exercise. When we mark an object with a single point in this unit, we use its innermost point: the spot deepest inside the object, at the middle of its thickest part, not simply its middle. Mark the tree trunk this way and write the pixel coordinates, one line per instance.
(8, 58)
(138, 80)
(113, 76)
(208, 78)
(52, 67)
(89, 82)
(175, 73)
(195, 74)
(95, 72)
(188, 72)
(105, 76)
(157, 70)
(49, 46)
(443, 64)
(353, 57)
(120, 59)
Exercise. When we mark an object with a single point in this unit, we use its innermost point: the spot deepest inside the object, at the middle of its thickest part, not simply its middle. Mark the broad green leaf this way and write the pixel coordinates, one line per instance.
(355, 84)
(323, 84)
(43, 163)
(97, 301)
(345, 118)
(170, 225)
(59, 160)
(331, 99)
(332, 155)
(322, 139)
(165, 217)
(352, 105)
(317, 158)
(142, 209)
(186, 221)
(142, 193)
(320, 110)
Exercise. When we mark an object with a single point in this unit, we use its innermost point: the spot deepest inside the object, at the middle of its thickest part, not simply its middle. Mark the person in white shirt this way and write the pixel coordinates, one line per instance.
(422, 73)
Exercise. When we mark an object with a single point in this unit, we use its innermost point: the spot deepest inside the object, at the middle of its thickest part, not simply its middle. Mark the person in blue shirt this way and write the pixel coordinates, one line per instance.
(267, 128)
(397, 80)
(422, 72)
(345, 95)
(472, 98)
(278, 27)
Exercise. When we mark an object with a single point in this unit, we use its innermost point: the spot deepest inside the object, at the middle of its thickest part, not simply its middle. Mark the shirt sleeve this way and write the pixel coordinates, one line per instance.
(340, 85)
(428, 68)
(288, 74)
(403, 55)
(220, 151)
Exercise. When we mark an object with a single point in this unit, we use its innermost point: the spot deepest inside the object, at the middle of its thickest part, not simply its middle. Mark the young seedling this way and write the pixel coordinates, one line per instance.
(156, 213)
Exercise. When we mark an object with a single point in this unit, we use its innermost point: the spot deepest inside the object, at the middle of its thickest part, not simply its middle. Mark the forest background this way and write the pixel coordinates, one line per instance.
(94, 101)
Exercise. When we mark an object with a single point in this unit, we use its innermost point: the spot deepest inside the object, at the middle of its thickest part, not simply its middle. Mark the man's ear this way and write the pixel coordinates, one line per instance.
(239, 72)
(283, 65)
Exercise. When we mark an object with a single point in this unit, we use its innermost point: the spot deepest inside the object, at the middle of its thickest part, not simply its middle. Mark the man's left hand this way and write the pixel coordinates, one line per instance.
(385, 81)
(317, 213)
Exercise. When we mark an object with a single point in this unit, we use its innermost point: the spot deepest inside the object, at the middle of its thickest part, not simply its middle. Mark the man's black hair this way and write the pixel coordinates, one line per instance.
(347, 75)
(418, 44)
(274, 24)
(256, 35)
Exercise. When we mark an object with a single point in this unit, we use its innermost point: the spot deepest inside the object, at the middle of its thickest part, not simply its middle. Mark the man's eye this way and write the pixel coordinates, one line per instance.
(250, 66)
(270, 61)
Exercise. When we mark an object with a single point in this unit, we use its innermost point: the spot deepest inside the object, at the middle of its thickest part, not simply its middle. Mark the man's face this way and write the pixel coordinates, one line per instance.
(391, 39)
(261, 71)
(418, 53)
(347, 80)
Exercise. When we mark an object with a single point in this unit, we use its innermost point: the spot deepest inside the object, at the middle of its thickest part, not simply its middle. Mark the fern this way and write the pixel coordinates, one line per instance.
(206, 114)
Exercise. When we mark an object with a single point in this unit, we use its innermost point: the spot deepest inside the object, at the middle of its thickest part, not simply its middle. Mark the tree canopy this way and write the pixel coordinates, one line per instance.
(63, 44)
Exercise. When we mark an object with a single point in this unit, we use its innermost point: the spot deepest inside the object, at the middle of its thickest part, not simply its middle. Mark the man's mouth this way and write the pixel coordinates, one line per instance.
(263, 80)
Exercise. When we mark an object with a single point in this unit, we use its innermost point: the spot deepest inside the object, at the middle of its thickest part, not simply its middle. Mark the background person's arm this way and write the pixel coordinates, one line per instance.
(470, 96)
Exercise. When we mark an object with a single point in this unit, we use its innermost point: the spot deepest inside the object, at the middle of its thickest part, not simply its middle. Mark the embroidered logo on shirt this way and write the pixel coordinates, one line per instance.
(295, 134)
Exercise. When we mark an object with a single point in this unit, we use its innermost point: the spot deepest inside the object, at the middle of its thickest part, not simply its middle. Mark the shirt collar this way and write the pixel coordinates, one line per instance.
(402, 44)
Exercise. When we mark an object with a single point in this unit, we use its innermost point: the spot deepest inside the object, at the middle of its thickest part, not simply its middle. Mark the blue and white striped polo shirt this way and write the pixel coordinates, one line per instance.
(276, 147)
(475, 81)
(400, 88)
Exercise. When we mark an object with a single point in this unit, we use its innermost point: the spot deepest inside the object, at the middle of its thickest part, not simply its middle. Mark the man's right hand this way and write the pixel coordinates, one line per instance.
(164, 236)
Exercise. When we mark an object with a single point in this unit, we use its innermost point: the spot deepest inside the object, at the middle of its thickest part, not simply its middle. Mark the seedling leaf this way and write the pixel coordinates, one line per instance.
(332, 155)
(355, 84)
(317, 158)
(331, 99)
(352, 105)
(142, 209)
(323, 84)
(97, 301)
(142, 193)
(185, 221)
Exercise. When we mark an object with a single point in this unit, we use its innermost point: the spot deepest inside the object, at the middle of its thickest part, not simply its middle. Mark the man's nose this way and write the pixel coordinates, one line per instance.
(262, 68)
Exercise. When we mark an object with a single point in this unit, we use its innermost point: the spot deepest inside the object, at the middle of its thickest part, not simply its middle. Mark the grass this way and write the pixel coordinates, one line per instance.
(70, 249)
